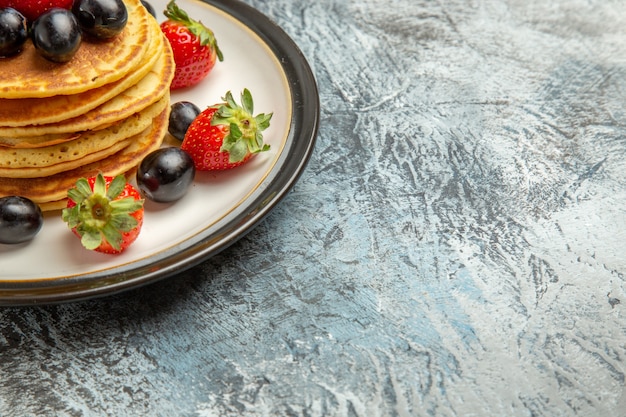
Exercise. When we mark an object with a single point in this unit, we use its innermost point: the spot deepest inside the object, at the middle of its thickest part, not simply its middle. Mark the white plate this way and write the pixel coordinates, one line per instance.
(220, 207)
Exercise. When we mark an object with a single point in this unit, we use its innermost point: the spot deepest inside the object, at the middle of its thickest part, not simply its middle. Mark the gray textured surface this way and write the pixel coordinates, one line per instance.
(455, 247)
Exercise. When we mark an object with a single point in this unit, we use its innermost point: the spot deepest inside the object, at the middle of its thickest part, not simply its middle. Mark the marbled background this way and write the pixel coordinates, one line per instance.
(454, 248)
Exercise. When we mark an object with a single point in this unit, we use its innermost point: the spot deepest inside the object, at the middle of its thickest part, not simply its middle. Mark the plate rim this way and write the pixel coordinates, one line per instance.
(303, 129)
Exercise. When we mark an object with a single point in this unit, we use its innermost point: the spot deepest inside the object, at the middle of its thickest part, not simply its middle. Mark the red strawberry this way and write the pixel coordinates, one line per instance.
(226, 135)
(32, 9)
(105, 212)
(193, 44)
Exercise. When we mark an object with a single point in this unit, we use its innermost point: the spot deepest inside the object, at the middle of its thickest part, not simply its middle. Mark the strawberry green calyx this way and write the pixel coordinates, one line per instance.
(100, 214)
(203, 33)
(245, 130)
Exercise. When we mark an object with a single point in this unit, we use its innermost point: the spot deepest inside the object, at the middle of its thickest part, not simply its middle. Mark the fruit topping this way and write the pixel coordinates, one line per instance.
(105, 212)
(13, 31)
(181, 115)
(149, 8)
(194, 46)
(102, 19)
(226, 135)
(32, 9)
(56, 35)
(20, 219)
(165, 175)
(57, 26)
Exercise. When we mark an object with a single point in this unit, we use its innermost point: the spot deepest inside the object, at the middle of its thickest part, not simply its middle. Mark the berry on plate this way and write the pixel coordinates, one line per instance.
(182, 113)
(193, 44)
(106, 213)
(165, 175)
(226, 135)
(20, 219)
(32, 9)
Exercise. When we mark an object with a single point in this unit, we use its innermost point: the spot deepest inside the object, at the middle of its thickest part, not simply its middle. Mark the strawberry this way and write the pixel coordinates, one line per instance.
(106, 213)
(226, 135)
(32, 9)
(193, 44)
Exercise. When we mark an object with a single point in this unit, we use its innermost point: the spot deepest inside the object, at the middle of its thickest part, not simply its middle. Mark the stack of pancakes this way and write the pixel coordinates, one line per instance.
(103, 111)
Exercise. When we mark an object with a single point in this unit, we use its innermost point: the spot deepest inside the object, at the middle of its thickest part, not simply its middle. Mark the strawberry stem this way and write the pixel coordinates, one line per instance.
(100, 214)
(203, 33)
(245, 130)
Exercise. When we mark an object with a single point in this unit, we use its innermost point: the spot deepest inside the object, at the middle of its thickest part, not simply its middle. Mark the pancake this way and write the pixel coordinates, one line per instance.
(31, 142)
(93, 156)
(50, 192)
(36, 111)
(96, 63)
(88, 147)
(38, 141)
(152, 87)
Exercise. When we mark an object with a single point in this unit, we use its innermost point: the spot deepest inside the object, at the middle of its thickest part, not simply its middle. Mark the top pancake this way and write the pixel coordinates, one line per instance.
(17, 112)
(96, 63)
